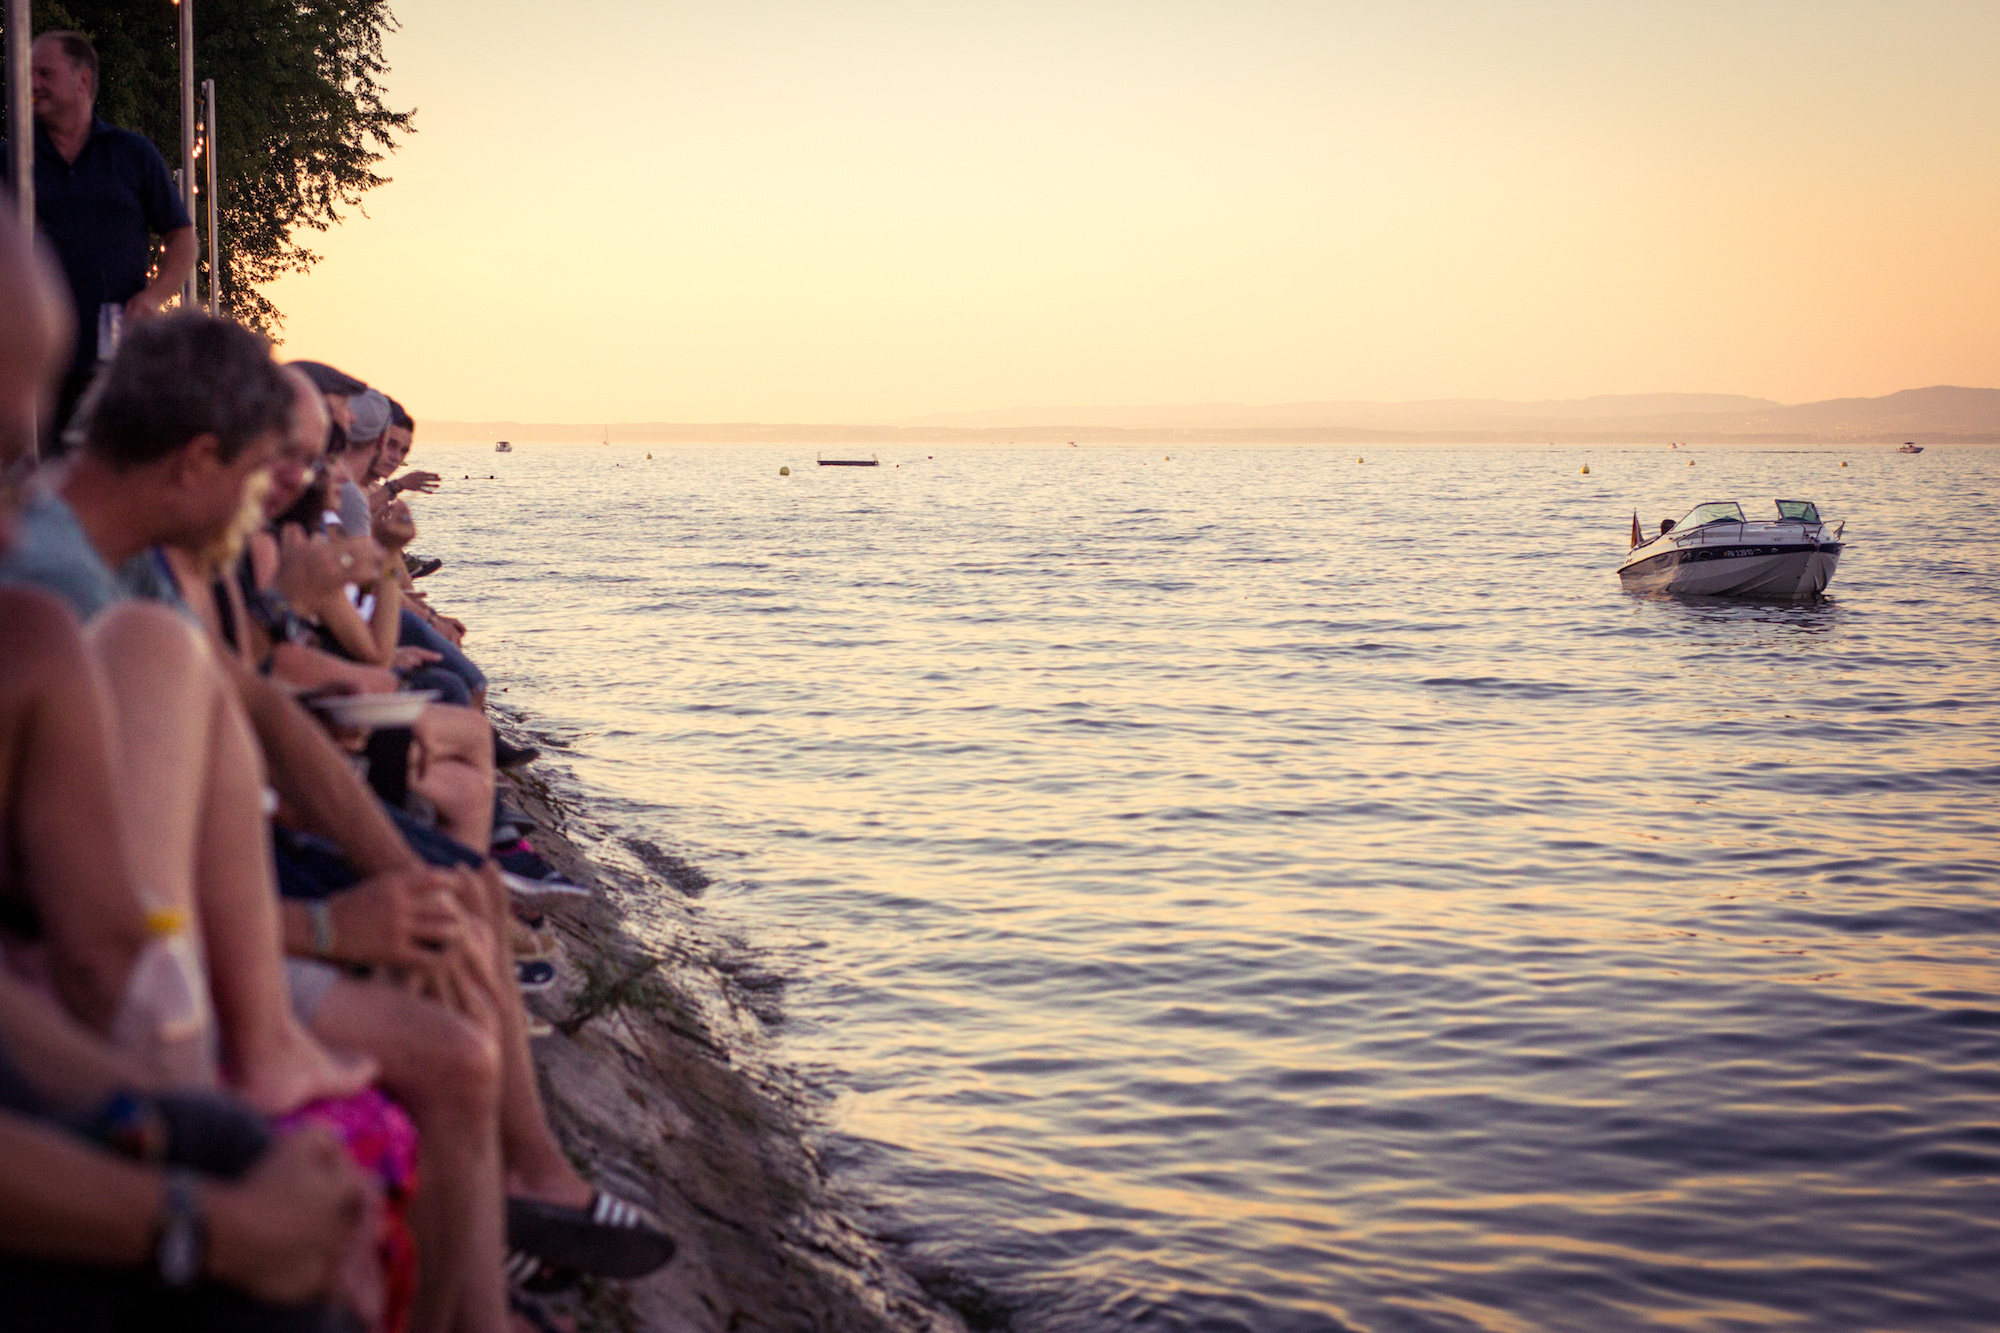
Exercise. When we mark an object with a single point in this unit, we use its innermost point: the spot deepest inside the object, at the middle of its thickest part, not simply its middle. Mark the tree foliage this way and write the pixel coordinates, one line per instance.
(302, 118)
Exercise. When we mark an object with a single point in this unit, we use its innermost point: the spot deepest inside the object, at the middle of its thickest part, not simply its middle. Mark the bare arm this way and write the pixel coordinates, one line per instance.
(70, 1069)
(387, 622)
(176, 267)
(407, 918)
(309, 669)
(63, 1200)
(65, 823)
(313, 777)
(278, 1234)
(358, 638)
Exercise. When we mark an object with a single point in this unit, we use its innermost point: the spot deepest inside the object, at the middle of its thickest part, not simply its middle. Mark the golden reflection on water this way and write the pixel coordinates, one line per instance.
(1328, 896)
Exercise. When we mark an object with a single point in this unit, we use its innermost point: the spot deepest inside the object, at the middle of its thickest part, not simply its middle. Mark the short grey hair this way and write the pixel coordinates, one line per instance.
(76, 49)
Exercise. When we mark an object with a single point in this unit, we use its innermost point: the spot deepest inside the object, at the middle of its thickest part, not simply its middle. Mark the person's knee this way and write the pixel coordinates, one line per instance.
(464, 1065)
(433, 1060)
(453, 1065)
(450, 688)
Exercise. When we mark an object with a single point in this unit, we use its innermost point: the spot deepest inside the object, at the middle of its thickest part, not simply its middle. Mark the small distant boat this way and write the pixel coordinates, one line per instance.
(503, 448)
(1716, 552)
(1910, 447)
(870, 461)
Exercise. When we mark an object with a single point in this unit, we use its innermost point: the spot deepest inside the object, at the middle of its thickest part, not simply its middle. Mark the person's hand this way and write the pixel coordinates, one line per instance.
(467, 980)
(422, 482)
(404, 918)
(451, 628)
(144, 306)
(395, 528)
(311, 569)
(279, 1233)
(408, 659)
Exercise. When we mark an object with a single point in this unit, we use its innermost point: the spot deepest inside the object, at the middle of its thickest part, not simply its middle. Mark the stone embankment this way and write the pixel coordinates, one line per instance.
(655, 1085)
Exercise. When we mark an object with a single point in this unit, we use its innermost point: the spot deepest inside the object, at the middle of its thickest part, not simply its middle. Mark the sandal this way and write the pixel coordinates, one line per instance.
(527, 1273)
(610, 1238)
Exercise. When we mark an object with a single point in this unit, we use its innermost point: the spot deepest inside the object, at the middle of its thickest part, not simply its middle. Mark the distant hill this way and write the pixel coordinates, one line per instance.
(1943, 414)
(1433, 413)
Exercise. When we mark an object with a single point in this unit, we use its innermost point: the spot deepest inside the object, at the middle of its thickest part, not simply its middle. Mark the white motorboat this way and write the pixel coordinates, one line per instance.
(1716, 552)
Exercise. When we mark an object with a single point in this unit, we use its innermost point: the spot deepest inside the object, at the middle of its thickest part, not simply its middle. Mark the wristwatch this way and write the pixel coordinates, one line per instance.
(320, 913)
(182, 1246)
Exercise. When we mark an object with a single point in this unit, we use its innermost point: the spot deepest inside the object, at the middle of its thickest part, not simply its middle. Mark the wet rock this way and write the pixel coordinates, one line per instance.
(656, 1088)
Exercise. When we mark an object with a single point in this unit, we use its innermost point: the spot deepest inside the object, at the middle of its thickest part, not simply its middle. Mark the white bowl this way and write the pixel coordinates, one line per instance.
(367, 712)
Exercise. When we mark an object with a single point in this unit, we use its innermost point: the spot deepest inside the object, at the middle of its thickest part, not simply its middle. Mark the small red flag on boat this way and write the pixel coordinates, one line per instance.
(1635, 527)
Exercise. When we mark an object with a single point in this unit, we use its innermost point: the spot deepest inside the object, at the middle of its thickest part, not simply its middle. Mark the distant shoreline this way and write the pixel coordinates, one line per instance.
(486, 432)
(1940, 414)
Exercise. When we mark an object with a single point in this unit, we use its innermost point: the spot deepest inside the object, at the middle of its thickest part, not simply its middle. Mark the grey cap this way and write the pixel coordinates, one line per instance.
(370, 411)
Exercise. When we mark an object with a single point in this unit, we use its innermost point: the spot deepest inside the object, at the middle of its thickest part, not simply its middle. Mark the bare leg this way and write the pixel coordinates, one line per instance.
(192, 784)
(534, 1160)
(451, 766)
(445, 1071)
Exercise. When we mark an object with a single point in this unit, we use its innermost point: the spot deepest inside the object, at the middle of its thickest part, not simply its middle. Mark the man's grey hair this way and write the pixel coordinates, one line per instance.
(177, 377)
(76, 48)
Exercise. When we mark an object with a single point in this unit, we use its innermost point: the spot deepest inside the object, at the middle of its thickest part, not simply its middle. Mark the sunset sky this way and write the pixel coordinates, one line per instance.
(619, 210)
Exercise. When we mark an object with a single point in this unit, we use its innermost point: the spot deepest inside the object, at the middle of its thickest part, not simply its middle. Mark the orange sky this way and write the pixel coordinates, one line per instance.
(621, 211)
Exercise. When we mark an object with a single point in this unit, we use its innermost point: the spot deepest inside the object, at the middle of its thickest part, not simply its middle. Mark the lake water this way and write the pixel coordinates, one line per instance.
(1262, 890)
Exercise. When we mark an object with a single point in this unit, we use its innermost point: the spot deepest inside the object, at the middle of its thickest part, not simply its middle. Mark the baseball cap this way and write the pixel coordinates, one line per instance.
(370, 411)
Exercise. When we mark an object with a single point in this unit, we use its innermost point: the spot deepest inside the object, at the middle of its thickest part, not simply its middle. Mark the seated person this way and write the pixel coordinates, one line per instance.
(187, 763)
(291, 599)
(438, 1054)
(81, 1225)
(182, 736)
(402, 436)
(124, 1208)
(447, 669)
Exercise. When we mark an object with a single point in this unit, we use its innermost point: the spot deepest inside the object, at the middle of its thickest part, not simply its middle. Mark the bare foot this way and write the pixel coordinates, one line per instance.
(299, 1070)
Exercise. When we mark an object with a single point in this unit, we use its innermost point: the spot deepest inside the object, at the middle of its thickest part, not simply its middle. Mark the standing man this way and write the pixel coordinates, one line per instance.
(101, 195)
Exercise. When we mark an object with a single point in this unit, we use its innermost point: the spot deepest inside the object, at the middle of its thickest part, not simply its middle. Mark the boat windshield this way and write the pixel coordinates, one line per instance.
(1715, 511)
(1803, 511)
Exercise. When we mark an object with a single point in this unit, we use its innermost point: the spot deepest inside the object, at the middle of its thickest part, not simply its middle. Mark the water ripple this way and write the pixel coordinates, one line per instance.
(1255, 892)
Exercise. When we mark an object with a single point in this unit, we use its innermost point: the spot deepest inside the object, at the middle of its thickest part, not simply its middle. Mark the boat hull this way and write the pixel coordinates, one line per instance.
(1749, 569)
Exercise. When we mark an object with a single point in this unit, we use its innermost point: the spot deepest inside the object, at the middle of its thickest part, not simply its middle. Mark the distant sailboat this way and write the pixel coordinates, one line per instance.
(607, 432)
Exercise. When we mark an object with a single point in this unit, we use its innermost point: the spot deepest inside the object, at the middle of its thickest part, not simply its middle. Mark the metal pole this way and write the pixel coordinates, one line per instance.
(186, 8)
(21, 140)
(21, 111)
(214, 199)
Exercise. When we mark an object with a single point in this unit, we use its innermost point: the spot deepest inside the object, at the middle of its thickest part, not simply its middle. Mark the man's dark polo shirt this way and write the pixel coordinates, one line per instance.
(101, 213)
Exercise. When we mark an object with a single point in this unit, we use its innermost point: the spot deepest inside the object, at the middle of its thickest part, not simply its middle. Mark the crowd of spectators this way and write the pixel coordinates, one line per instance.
(265, 919)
